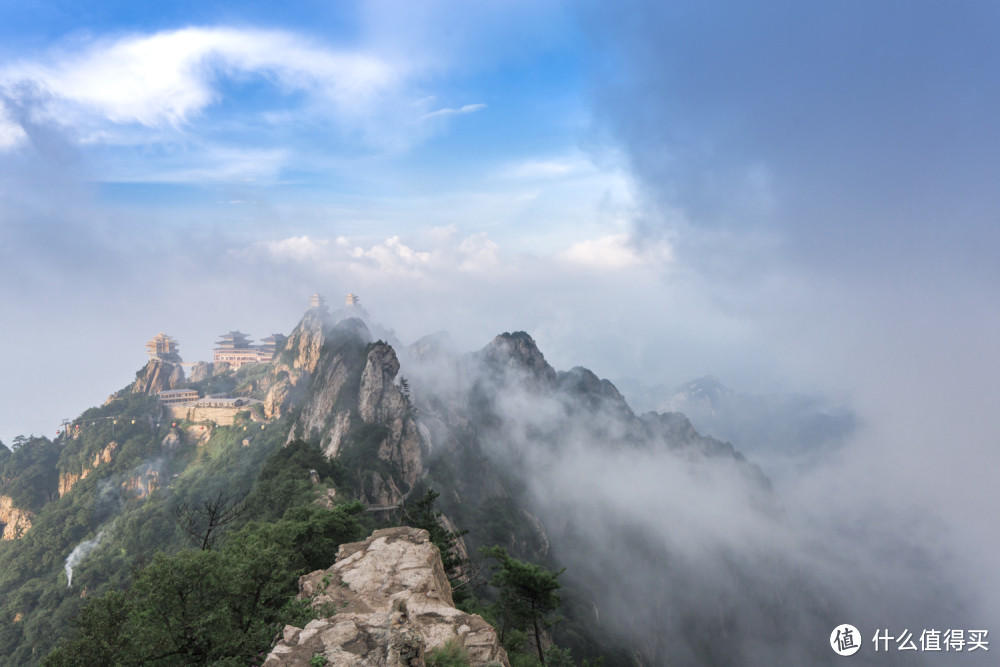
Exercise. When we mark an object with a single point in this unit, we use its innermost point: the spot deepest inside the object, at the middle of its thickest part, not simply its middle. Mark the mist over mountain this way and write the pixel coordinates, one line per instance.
(675, 547)
(783, 432)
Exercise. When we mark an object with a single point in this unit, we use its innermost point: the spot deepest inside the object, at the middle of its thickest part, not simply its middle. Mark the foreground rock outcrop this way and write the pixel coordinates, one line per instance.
(389, 604)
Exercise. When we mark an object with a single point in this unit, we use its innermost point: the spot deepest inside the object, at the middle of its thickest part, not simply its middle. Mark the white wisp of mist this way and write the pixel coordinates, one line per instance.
(79, 553)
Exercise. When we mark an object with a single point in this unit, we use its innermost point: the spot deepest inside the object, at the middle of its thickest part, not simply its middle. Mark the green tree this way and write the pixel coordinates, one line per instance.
(421, 513)
(284, 480)
(28, 473)
(219, 606)
(308, 534)
(192, 608)
(527, 596)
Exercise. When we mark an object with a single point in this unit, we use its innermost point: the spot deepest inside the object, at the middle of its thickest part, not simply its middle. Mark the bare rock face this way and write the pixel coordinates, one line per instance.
(157, 376)
(201, 371)
(14, 522)
(319, 362)
(392, 604)
(381, 401)
(352, 407)
(68, 479)
(279, 399)
(329, 381)
(143, 482)
(306, 342)
(335, 439)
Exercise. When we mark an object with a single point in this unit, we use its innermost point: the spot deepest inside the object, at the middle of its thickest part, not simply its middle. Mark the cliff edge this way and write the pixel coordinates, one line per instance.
(387, 602)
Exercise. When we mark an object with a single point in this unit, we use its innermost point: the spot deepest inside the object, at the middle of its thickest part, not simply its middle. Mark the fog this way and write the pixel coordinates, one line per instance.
(862, 169)
(683, 553)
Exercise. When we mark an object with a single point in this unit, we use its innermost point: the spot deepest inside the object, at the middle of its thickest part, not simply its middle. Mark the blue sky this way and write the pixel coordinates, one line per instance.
(744, 183)
(787, 196)
(346, 147)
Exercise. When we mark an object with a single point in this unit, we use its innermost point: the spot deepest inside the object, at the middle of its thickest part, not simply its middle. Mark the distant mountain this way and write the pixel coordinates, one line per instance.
(796, 426)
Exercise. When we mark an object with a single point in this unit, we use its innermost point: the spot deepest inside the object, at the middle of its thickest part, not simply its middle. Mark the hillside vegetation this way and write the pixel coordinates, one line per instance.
(154, 541)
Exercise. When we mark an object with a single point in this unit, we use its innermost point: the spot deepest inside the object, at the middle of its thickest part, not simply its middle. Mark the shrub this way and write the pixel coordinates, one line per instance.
(451, 654)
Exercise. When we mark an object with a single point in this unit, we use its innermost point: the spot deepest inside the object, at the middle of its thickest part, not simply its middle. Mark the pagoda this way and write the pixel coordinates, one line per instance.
(235, 349)
(352, 300)
(163, 347)
(317, 301)
(234, 340)
(269, 346)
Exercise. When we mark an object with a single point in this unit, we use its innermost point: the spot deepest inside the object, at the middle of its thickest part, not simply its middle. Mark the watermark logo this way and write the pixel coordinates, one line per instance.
(845, 639)
(952, 640)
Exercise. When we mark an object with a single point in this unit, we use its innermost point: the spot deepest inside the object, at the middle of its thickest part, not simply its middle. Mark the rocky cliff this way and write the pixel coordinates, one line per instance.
(513, 358)
(391, 605)
(144, 480)
(157, 376)
(13, 521)
(68, 479)
(351, 406)
(201, 371)
(297, 362)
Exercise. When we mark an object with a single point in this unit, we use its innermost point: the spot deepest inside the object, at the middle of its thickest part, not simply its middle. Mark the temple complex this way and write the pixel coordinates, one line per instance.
(177, 396)
(163, 347)
(269, 346)
(317, 301)
(235, 349)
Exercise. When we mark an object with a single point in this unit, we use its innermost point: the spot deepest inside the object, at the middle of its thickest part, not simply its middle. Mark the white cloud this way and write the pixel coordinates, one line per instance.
(391, 258)
(12, 134)
(441, 233)
(296, 249)
(201, 164)
(616, 252)
(445, 256)
(557, 167)
(166, 78)
(468, 108)
(395, 258)
(480, 253)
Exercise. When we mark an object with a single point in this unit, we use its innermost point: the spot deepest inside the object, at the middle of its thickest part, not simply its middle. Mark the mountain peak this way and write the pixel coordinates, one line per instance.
(517, 353)
(706, 392)
(354, 327)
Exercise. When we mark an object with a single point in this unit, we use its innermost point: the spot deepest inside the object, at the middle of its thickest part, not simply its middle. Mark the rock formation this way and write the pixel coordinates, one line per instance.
(380, 401)
(391, 604)
(157, 376)
(352, 406)
(201, 371)
(68, 479)
(144, 480)
(433, 347)
(514, 358)
(305, 343)
(14, 522)
(278, 399)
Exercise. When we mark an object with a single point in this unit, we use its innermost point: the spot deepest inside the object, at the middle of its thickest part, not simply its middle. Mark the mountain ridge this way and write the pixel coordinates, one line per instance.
(483, 428)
